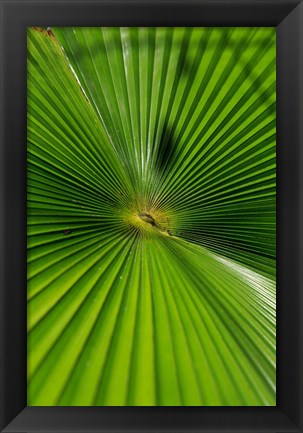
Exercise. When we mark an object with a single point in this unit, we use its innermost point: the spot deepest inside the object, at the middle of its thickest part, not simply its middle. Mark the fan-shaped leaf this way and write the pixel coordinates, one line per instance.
(151, 216)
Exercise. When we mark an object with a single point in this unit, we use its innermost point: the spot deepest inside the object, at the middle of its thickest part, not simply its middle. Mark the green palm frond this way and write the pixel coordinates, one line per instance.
(151, 216)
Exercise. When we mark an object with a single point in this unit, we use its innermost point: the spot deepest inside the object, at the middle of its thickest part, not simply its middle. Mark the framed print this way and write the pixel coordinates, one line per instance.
(151, 216)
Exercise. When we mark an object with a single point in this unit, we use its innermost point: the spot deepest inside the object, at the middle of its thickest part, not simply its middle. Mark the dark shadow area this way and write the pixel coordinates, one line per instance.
(166, 149)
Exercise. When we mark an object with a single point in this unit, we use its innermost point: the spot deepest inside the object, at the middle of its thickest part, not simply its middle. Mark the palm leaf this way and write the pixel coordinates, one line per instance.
(151, 216)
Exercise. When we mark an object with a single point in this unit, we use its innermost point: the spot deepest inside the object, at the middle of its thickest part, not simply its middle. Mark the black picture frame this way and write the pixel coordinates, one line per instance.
(287, 17)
